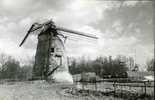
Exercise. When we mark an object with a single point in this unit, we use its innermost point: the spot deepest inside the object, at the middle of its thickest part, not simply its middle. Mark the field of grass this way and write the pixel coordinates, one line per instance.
(40, 90)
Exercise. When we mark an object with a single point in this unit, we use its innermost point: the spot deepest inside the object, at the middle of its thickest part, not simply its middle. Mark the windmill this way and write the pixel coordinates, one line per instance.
(51, 58)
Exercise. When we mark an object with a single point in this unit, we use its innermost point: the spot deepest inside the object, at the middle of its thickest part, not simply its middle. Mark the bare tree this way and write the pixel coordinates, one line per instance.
(150, 65)
(3, 59)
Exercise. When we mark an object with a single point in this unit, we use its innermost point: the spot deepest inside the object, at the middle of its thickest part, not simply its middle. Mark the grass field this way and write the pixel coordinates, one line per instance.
(41, 91)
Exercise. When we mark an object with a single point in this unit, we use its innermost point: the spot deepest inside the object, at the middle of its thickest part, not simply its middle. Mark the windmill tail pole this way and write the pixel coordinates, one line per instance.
(76, 32)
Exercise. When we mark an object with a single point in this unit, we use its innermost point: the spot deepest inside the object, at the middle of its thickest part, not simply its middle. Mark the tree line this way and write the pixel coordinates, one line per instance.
(102, 66)
(11, 69)
(105, 67)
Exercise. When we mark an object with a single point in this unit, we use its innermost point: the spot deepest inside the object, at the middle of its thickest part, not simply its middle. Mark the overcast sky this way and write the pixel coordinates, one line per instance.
(123, 28)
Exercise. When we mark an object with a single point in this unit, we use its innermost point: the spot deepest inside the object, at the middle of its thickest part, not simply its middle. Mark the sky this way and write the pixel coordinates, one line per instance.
(123, 28)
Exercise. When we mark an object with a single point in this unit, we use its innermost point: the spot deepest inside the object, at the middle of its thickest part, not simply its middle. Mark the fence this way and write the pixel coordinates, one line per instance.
(119, 85)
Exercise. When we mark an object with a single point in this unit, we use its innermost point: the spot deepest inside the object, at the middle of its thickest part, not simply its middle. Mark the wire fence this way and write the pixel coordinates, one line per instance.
(119, 88)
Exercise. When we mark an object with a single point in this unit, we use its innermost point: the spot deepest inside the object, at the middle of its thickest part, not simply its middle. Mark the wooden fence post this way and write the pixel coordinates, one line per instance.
(95, 86)
(145, 87)
(82, 85)
(114, 85)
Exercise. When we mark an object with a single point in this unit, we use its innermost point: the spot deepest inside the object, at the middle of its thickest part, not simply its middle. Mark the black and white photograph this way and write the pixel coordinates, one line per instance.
(77, 49)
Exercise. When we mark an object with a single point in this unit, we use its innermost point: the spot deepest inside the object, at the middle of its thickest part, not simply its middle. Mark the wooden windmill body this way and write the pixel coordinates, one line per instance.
(51, 59)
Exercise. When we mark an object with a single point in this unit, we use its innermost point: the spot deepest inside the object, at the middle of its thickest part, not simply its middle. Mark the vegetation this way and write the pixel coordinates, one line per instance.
(105, 67)
(102, 66)
(11, 69)
(150, 65)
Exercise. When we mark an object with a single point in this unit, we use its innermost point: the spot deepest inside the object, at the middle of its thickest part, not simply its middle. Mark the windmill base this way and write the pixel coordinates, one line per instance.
(62, 77)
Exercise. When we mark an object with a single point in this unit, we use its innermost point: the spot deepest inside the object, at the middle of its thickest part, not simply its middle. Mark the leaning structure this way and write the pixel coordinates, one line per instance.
(50, 59)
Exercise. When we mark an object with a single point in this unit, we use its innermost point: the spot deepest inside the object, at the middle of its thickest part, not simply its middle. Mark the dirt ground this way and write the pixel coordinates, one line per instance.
(40, 90)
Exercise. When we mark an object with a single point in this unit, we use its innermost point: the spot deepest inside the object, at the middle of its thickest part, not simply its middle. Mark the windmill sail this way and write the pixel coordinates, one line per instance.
(26, 35)
(33, 28)
(75, 32)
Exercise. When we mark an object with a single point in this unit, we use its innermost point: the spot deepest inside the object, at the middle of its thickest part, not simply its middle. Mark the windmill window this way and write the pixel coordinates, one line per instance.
(52, 50)
(57, 55)
(59, 59)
